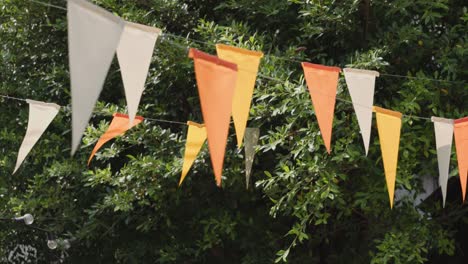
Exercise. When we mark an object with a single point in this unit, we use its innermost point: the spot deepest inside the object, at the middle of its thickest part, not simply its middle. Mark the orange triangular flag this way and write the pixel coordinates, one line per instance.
(216, 81)
(196, 137)
(461, 144)
(322, 82)
(247, 62)
(389, 127)
(118, 126)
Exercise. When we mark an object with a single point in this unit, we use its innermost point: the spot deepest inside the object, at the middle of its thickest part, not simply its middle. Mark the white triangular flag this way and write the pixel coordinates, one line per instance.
(250, 142)
(93, 36)
(40, 116)
(134, 53)
(361, 84)
(444, 137)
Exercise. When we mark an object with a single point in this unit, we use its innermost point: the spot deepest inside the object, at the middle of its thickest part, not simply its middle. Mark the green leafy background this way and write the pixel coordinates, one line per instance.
(305, 206)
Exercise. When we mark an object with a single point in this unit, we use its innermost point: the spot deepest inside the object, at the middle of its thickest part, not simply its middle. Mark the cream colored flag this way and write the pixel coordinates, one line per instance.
(251, 140)
(134, 52)
(93, 36)
(361, 85)
(444, 137)
(40, 116)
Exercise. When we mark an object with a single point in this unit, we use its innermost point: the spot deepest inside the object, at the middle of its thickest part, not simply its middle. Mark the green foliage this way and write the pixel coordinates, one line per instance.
(306, 206)
(400, 248)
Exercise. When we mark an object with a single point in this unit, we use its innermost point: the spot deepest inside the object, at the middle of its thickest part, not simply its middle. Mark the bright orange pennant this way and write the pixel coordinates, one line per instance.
(461, 144)
(118, 126)
(389, 127)
(322, 82)
(216, 81)
(196, 137)
(247, 62)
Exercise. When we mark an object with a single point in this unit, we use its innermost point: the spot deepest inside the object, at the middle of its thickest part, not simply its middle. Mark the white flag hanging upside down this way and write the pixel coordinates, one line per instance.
(40, 116)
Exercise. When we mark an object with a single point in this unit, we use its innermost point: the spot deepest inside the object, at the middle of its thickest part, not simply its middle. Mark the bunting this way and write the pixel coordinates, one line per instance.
(389, 129)
(40, 116)
(117, 127)
(225, 86)
(93, 36)
(361, 85)
(251, 140)
(444, 136)
(216, 81)
(247, 65)
(461, 144)
(196, 137)
(322, 82)
(134, 53)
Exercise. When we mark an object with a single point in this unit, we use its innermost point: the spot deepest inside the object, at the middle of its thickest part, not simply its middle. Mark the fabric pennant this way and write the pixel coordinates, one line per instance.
(40, 116)
(252, 135)
(93, 36)
(322, 82)
(117, 127)
(216, 81)
(134, 53)
(361, 86)
(461, 144)
(196, 137)
(444, 136)
(389, 129)
(247, 62)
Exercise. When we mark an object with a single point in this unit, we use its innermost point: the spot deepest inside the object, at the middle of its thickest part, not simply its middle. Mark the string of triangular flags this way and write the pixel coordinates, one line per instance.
(225, 85)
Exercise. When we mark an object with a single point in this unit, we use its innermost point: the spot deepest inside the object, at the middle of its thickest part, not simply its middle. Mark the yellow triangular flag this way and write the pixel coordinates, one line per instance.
(247, 62)
(196, 137)
(389, 127)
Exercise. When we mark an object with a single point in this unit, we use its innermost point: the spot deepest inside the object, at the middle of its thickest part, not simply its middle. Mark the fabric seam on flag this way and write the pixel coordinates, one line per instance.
(196, 54)
(56, 106)
(253, 53)
(442, 120)
(126, 116)
(191, 123)
(367, 72)
(387, 112)
(321, 67)
(461, 122)
(98, 10)
(145, 28)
